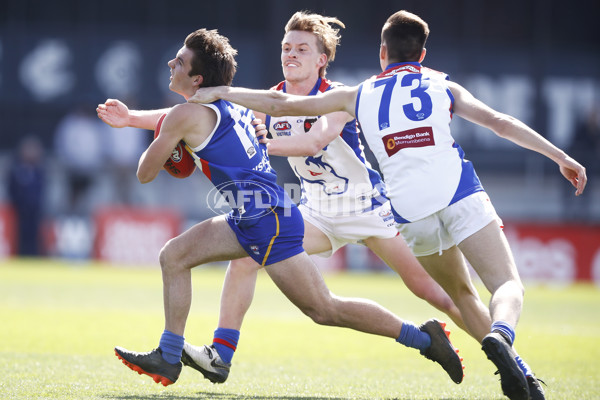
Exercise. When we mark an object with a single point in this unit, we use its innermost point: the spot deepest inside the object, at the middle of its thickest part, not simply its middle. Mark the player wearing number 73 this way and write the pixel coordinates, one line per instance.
(437, 199)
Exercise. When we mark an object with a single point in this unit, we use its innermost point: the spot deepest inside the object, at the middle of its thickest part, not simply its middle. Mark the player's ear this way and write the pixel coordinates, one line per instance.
(198, 79)
(322, 60)
(423, 54)
(382, 51)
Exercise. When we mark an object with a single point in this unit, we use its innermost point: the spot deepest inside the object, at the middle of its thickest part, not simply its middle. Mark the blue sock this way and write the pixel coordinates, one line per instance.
(225, 341)
(411, 336)
(171, 346)
(505, 329)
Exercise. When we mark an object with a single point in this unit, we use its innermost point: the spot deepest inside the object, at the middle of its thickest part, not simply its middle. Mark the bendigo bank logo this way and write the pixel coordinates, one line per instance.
(250, 199)
(417, 137)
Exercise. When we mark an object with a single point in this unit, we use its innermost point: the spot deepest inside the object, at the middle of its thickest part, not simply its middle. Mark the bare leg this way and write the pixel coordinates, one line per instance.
(489, 254)
(397, 255)
(240, 280)
(238, 292)
(450, 271)
(211, 240)
(300, 280)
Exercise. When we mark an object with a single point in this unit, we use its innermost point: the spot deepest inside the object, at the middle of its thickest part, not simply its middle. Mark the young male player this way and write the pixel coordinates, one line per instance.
(266, 226)
(436, 196)
(343, 200)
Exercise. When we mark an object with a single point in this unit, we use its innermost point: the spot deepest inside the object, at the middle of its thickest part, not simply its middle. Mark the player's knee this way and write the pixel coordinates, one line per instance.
(168, 257)
(324, 314)
(244, 265)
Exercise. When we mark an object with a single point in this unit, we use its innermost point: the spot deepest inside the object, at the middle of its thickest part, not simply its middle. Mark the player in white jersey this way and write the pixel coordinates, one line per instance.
(267, 226)
(343, 200)
(437, 198)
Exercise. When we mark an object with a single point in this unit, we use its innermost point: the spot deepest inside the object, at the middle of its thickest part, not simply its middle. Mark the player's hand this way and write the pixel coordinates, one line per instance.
(206, 95)
(575, 173)
(260, 130)
(114, 113)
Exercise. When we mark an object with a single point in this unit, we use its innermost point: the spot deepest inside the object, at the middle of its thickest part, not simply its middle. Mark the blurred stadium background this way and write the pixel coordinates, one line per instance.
(538, 60)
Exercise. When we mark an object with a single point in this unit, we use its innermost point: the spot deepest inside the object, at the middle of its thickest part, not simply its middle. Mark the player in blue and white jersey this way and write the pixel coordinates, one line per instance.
(343, 200)
(438, 201)
(267, 226)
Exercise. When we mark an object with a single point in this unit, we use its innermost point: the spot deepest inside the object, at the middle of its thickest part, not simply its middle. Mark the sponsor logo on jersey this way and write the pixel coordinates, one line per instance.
(282, 126)
(417, 137)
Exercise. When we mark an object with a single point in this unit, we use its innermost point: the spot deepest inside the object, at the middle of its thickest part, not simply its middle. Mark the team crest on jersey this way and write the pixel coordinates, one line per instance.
(308, 123)
(417, 137)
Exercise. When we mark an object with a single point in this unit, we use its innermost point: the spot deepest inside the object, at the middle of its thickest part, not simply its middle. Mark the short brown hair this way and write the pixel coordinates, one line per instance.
(404, 35)
(328, 37)
(214, 58)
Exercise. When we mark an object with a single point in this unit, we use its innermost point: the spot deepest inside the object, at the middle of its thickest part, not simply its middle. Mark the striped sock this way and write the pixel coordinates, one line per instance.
(171, 346)
(412, 336)
(225, 341)
(505, 329)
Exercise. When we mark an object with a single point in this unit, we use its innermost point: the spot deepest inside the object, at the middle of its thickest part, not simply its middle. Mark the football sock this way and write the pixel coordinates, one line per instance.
(225, 341)
(412, 336)
(171, 346)
(505, 329)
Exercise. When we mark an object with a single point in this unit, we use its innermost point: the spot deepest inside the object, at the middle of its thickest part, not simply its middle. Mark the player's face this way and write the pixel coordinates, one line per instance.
(181, 81)
(300, 56)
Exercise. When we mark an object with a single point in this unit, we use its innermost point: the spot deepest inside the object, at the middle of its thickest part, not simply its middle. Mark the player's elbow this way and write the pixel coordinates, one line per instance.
(503, 125)
(313, 148)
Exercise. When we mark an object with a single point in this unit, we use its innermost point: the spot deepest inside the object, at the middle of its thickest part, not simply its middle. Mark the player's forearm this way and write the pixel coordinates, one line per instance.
(293, 146)
(519, 133)
(270, 102)
(145, 119)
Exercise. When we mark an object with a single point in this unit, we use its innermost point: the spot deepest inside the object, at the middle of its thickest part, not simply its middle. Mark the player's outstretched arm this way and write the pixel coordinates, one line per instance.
(280, 104)
(323, 131)
(116, 114)
(507, 127)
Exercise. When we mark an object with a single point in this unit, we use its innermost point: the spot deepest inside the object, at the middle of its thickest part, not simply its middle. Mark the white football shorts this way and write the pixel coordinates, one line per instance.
(346, 229)
(449, 226)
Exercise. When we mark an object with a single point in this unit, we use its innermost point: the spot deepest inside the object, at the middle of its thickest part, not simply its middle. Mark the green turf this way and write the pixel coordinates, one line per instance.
(60, 322)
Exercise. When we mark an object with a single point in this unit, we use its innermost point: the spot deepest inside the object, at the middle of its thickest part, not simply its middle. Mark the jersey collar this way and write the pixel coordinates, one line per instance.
(394, 68)
(314, 90)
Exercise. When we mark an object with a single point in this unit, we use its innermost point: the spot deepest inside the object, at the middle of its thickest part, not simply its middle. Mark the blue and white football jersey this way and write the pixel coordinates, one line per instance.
(238, 165)
(405, 114)
(338, 180)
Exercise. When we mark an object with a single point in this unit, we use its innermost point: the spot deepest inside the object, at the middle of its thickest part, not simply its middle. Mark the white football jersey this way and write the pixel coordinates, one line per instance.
(405, 114)
(338, 180)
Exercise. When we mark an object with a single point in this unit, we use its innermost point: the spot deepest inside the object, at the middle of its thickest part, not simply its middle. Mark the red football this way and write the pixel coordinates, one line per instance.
(181, 163)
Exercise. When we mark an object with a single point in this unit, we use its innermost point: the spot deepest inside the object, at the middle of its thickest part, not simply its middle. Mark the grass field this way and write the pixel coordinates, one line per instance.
(59, 323)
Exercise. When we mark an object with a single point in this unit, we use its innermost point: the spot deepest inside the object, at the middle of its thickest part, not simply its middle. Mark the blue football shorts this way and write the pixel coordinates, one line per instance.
(274, 236)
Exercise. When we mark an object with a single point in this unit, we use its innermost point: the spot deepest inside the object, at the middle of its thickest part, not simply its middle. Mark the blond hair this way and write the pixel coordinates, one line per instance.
(328, 37)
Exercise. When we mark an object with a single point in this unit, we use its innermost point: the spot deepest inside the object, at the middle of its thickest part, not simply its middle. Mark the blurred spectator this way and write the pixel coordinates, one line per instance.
(78, 147)
(26, 183)
(122, 150)
(585, 147)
